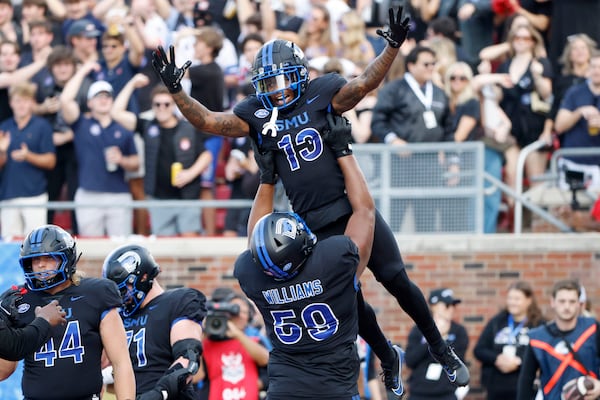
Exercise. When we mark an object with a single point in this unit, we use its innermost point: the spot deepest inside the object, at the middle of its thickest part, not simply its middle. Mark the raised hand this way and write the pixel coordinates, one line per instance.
(397, 31)
(338, 136)
(169, 73)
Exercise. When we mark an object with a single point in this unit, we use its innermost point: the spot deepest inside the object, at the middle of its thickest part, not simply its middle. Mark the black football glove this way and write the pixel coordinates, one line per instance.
(396, 32)
(338, 136)
(266, 163)
(167, 70)
(169, 385)
(9, 302)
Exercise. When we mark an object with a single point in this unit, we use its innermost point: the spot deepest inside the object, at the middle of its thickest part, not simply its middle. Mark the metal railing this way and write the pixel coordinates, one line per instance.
(404, 179)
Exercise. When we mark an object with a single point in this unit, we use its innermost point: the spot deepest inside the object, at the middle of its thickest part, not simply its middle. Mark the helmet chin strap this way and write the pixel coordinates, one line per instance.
(271, 126)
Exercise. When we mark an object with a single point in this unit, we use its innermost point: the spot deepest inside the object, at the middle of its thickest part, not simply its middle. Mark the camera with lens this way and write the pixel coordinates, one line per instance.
(218, 313)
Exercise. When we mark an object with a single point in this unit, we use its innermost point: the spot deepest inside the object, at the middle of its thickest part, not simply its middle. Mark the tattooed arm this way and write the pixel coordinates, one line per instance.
(217, 123)
(353, 91)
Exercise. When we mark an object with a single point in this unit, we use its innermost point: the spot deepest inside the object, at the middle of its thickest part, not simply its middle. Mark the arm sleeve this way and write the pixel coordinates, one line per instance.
(16, 343)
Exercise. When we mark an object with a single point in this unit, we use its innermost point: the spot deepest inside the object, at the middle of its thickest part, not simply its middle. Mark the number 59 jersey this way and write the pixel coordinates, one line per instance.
(309, 170)
(68, 365)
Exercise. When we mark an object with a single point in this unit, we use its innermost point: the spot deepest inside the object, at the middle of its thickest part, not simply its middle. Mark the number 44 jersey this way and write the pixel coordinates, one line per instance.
(68, 365)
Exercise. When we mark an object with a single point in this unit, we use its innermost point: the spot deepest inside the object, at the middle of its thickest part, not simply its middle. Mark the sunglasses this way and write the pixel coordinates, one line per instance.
(429, 64)
(110, 46)
(159, 104)
(461, 78)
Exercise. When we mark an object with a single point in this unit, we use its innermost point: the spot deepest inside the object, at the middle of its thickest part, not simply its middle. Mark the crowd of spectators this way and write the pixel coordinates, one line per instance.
(64, 63)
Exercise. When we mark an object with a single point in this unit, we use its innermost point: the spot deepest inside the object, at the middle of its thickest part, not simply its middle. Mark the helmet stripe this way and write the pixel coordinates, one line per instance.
(36, 239)
(263, 254)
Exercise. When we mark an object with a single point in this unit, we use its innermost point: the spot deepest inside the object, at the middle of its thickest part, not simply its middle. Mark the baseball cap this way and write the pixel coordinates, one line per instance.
(83, 27)
(99, 87)
(443, 295)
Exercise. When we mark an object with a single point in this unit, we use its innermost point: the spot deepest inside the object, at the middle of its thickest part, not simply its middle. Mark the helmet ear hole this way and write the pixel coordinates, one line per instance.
(133, 269)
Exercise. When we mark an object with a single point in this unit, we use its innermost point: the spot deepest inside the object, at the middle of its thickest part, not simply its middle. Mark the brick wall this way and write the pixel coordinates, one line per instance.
(478, 269)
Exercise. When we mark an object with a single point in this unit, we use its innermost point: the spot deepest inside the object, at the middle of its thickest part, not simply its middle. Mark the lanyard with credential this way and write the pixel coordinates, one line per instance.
(514, 332)
(427, 98)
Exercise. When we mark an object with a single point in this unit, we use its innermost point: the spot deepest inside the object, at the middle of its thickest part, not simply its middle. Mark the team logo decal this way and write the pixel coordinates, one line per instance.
(261, 113)
(129, 261)
(286, 227)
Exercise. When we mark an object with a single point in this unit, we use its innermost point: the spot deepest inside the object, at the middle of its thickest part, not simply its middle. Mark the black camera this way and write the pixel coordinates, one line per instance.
(215, 323)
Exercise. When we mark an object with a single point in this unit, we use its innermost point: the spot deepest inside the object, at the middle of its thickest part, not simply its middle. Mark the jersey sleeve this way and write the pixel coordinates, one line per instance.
(338, 251)
(188, 304)
(106, 294)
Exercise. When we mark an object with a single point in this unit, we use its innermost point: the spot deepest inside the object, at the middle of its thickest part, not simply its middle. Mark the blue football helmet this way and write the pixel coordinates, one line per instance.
(52, 241)
(281, 243)
(279, 65)
(133, 269)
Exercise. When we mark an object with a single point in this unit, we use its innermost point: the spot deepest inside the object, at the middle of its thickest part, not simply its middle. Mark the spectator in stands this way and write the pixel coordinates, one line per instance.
(502, 343)
(10, 74)
(10, 29)
(426, 378)
(446, 27)
(500, 51)
(563, 15)
(421, 13)
(62, 65)
(122, 55)
(239, 75)
(105, 150)
(575, 61)
(445, 54)
(208, 88)
(40, 42)
(77, 11)
(537, 13)
(500, 146)
(241, 173)
(314, 37)
(167, 139)
(26, 153)
(578, 123)
(83, 37)
(466, 124)
(583, 220)
(527, 103)
(354, 45)
(476, 26)
(404, 113)
(41, 10)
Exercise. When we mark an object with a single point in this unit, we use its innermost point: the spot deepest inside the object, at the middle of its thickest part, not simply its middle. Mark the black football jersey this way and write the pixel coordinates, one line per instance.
(310, 173)
(311, 321)
(149, 329)
(68, 365)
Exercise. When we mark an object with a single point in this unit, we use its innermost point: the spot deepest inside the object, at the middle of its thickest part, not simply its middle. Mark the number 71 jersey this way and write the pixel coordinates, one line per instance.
(67, 366)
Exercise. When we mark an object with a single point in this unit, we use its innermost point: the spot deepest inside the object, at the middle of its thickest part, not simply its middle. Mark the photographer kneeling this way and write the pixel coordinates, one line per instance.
(232, 355)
